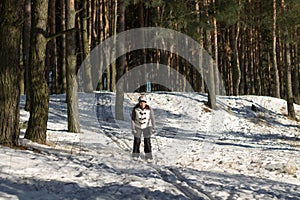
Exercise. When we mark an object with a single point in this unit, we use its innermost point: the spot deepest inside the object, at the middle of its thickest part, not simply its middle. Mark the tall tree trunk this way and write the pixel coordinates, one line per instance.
(216, 51)
(52, 49)
(11, 17)
(72, 85)
(296, 86)
(288, 71)
(113, 65)
(251, 60)
(26, 47)
(121, 63)
(237, 69)
(39, 91)
(143, 51)
(106, 31)
(21, 74)
(277, 81)
(200, 33)
(201, 82)
(281, 66)
(289, 89)
(258, 67)
(210, 76)
(63, 48)
(242, 63)
(230, 67)
(94, 24)
(87, 70)
(101, 37)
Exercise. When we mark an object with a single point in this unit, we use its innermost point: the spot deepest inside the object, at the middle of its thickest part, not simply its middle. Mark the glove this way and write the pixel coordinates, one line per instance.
(153, 131)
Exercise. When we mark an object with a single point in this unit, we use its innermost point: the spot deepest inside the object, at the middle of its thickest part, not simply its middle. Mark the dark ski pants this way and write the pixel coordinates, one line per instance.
(147, 144)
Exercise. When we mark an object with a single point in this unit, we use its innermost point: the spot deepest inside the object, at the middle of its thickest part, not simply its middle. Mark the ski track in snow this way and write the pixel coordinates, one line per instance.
(231, 153)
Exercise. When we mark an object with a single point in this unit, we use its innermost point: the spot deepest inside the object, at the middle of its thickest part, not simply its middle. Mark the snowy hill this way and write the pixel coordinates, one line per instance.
(247, 149)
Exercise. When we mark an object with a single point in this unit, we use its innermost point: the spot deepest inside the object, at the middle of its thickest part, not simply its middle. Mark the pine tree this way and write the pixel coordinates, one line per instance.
(11, 17)
(71, 73)
(121, 63)
(39, 91)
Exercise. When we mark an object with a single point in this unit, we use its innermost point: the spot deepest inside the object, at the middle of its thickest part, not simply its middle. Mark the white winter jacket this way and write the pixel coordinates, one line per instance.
(142, 118)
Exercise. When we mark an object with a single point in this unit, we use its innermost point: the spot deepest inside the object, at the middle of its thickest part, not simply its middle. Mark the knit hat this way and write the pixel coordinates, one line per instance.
(143, 98)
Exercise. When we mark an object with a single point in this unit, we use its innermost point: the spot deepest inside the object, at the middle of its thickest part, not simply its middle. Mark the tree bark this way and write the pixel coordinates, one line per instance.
(26, 48)
(200, 36)
(236, 70)
(288, 71)
(121, 63)
(210, 76)
(87, 71)
(106, 34)
(39, 91)
(296, 86)
(113, 65)
(289, 89)
(72, 85)
(52, 50)
(277, 81)
(216, 51)
(63, 48)
(10, 40)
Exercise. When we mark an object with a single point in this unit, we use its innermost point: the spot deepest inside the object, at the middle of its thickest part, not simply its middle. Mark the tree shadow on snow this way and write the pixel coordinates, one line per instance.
(16, 186)
(259, 140)
(238, 186)
(254, 112)
(35, 189)
(217, 185)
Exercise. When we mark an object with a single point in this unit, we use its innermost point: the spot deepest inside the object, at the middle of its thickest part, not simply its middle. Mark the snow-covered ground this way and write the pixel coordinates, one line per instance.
(231, 153)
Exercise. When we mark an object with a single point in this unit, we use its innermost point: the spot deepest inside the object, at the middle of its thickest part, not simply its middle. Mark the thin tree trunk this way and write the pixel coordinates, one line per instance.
(106, 35)
(277, 81)
(288, 71)
(143, 56)
(21, 74)
(231, 69)
(296, 87)
(121, 65)
(26, 47)
(210, 74)
(87, 71)
(72, 86)
(281, 65)
(242, 63)
(101, 37)
(63, 48)
(113, 65)
(237, 69)
(251, 60)
(95, 7)
(53, 49)
(216, 63)
(39, 91)
(11, 18)
(289, 89)
(258, 67)
(200, 33)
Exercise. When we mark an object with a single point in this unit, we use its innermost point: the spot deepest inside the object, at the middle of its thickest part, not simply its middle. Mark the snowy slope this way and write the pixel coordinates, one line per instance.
(231, 153)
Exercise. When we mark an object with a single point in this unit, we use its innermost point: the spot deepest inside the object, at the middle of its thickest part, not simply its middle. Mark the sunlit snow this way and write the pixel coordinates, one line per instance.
(247, 149)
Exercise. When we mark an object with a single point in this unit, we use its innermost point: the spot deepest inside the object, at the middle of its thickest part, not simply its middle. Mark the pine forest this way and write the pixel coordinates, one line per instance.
(255, 46)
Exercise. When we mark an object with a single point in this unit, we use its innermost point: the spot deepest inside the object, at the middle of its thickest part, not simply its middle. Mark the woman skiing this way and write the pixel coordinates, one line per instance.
(143, 123)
